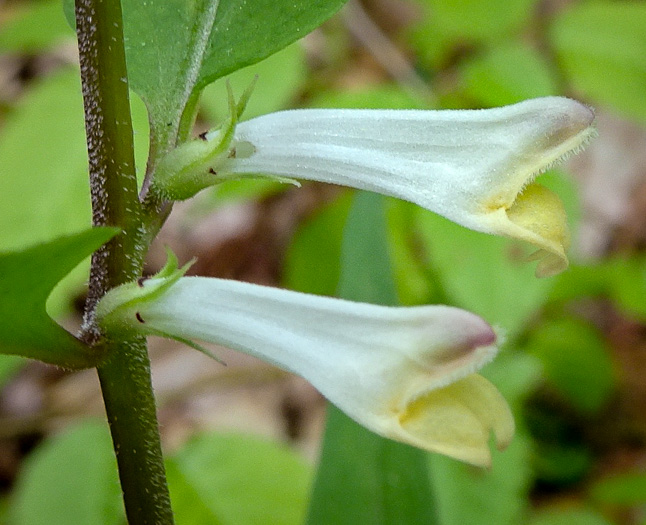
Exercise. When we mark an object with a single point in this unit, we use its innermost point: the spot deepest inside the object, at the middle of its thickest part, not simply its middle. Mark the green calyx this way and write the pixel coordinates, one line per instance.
(193, 165)
(118, 311)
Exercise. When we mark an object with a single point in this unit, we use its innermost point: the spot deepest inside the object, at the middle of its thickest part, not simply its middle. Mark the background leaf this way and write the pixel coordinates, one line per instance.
(280, 79)
(236, 479)
(601, 47)
(70, 479)
(486, 274)
(575, 361)
(38, 26)
(508, 74)
(464, 491)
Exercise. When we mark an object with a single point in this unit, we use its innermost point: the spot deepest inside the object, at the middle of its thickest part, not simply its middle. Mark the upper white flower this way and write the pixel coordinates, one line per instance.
(475, 167)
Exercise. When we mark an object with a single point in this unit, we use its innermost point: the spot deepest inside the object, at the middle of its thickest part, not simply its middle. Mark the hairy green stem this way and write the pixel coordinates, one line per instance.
(125, 378)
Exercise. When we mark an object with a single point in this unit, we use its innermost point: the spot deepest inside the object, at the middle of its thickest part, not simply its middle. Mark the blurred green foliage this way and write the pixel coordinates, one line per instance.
(556, 369)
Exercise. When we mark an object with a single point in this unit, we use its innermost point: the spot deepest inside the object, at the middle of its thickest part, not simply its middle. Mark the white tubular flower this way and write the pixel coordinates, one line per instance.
(475, 167)
(405, 373)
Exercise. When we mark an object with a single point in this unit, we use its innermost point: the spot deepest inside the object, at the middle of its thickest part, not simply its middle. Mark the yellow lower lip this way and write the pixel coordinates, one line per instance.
(540, 213)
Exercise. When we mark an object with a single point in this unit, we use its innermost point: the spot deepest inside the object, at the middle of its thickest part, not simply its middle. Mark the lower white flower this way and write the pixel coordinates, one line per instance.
(407, 373)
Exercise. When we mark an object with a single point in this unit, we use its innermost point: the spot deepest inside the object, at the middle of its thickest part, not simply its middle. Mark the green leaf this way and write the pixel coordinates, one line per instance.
(627, 284)
(622, 489)
(236, 479)
(39, 26)
(568, 516)
(601, 47)
(28, 277)
(383, 96)
(476, 19)
(409, 267)
(575, 361)
(70, 478)
(43, 172)
(174, 48)
(43, 164)
(363, 478)
(312, 259)
(507, 74)
(9, 365)
(280, 79)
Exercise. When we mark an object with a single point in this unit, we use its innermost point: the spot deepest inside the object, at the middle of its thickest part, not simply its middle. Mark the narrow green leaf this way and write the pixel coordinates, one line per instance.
(237, 479)
(28, 277)
(69, 479)
(312, 260)
(601, 46)
(363, 478)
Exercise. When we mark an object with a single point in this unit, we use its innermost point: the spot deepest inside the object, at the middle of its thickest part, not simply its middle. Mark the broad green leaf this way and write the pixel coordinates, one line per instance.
(280, 79)
(627, 284)
(312, 260)
(576, 362)
(174, 48)
(621, 489)
(236, 479)
(507, 74)
(383, 96)
(38, 26)
(363, 478)
(477, 19)
(568, 516)
(71, 478)
(43, 164)
(497, 496)
(28, 277)
(9, 365)
(601, 47)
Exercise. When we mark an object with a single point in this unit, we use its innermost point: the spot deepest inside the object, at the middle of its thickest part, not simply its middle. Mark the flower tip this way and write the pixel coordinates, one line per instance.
(550, 264)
